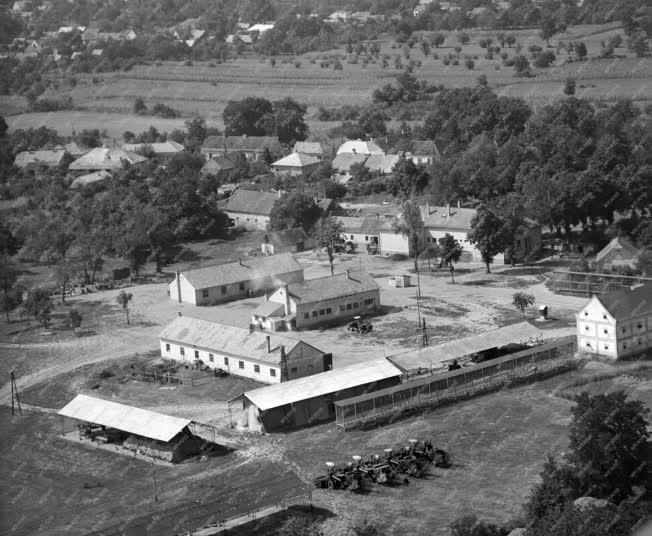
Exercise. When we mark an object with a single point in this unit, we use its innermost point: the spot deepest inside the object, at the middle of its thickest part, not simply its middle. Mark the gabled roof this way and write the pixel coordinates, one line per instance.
(360, 147)
(424, 148)
(243, 143)
(308, 147)
(435, 356)
(105, 158)
(447, 218)
(325, 204)
(75, 149)
(126, 418)
(629, 302)
(621, 245)
(162, 148)
(364, 225)
(262, 28)
(243, 270)
(41, 158)
(344, 161)
(287, 237)
(229, 340)
(216, 164)
(269, 308)
(324, 383)
(97, 176)
(384, 163)
(332, 286)
(296, 160)
(251, 202)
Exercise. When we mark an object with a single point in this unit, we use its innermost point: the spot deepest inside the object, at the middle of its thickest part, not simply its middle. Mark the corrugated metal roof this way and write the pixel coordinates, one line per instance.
(321, 384)
(435, 356)
(251, 202)
(229, 340)
(243, 270)
(332, 286)
(126, 418)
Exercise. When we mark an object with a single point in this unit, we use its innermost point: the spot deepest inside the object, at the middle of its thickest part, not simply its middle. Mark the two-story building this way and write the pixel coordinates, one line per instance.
(235, 280)
(242, 352)
(251, 208)
(616, 324)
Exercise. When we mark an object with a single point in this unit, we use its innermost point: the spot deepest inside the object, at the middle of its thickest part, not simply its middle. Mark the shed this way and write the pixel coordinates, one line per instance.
(400, 281)
(620, 252)
(287, 241)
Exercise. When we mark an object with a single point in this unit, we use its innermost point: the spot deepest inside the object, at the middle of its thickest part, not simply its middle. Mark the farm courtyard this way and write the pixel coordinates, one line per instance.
(499, 441)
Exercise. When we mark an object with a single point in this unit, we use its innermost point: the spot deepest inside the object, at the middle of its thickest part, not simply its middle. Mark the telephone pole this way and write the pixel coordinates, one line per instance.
(14, 394)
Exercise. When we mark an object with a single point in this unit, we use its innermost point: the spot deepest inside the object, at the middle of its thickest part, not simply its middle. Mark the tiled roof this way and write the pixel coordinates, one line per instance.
(384, 163)
(296, 160)
(360, 147)
(367, 225)
(443, 217)
(41, 158)
(251, 202)
(308, 147)
(166, 147)
(105, 158)
(216, 164)
(227, 339)
(333, 286)
(269, 308)
(344, 161)
(620, 244)
(628, 303)
(243, 143)
(243, 270)
(424, 148)
(75, 149)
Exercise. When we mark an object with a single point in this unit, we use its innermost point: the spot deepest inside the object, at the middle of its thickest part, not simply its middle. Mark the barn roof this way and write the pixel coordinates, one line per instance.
(96, 176)
(367, 224)
(621, 245)
(332, 286)
(628, 302)
(384, 163)
(308, 147)
(321, 384)
(242, 270)
(435, 356)
(166, 147)
(216, 164)
(137, 421)
(251, 202)
(243, 143)
(228, 340)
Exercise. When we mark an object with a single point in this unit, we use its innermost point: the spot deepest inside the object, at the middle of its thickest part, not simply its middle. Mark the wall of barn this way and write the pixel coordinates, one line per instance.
(336, 310)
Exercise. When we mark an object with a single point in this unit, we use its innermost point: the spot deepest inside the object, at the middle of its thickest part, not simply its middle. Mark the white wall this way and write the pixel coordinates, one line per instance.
(251, 221)
(336, 310)
(394, 243)
(188, 294)
(469, 249)
(361, 239)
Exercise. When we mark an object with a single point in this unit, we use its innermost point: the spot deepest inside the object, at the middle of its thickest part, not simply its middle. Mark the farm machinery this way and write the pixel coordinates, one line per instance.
(359, 326)
(391, 468)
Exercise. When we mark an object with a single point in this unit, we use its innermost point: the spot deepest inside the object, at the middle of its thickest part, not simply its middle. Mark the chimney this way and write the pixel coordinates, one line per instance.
(377, 215)
(459, 205)
(269, 344)
(286, 301)
(279, 193)
(348, 274)
(178, 274)
(448, 209)
(354, 151)
(428, 208)
(240, 261)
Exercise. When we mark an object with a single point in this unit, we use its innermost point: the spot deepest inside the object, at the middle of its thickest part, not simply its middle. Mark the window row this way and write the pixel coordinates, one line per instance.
(223, 289)
(343, 307)
(211, 359)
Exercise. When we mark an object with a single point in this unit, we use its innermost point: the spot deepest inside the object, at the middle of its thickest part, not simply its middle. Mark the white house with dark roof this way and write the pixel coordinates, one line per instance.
(374, 232)
(266, 358)
(616, 324)
(234, 280)
(295, 164)
(320, 301)
(251, 208)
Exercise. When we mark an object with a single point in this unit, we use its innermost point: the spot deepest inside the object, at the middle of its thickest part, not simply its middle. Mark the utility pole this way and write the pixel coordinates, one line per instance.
(14, 394)
(416, 266)
(155, 486)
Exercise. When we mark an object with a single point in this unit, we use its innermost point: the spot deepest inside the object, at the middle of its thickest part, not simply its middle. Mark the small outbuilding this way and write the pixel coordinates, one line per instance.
(618, 253)
(287, 241)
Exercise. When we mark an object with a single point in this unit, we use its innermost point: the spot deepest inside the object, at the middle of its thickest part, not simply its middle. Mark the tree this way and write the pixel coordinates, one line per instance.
(451, 249)
(510, 39)
(328, 235)
(250, 116)
(139, 106)
(470, 64)
(123, 300)
(522, 301)
(289, 119)
(8, 278)
(550, 27)
(569, 86)
(463, 38)
(490, 234)
(411, 225)
(65, 271)
(580, 49)
(294, 210)
(438, 39)
(75, 318)
(366, 528)
(39, 305)
(372, 122)
(638, 43)
(196, 129)
(521, 65)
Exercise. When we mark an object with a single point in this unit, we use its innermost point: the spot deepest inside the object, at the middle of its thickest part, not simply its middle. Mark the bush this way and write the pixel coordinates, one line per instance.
(469, 64)
(446, 61)
(398, 257)
(456, 61)
(544, 59)
(106, 373)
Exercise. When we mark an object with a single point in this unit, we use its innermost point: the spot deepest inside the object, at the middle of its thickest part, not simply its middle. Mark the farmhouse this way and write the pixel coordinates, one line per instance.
(35, 160)
(320, 301)
(164, 150)
(251, 208)
(419, 151)
(218, 166)
(311, 399)
(295, 164)
(311, 148)
(496, 341)
(287, 241)
(343, 161)
(90, 178)
(620, 253)
(141, 431)
(360, 147)
(234, 280)
(242, 352)
(374, 233)
(252, 147)
(616, 324)
(105, 158)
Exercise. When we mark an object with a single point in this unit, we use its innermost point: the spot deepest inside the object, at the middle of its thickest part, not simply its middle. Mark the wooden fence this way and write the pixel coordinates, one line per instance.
(593, 283)
(437, 389)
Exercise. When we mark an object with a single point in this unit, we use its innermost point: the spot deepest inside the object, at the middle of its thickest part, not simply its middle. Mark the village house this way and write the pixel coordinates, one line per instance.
(241, 352)
(339, 16)
(234, 280)
(287, 241)
(375, 234)
(32, 161)
(311, 148)
(251, 208)
(164, 150)
(382, 163)
(619, 253)
(419, 151)
(90, 178)
(252, 147)
(219, 166)
(318, 302)
(234, 38)
(110, 159)
(360, 147)
(295, 164)
(616, 324)
(342, 164)
(260, 27)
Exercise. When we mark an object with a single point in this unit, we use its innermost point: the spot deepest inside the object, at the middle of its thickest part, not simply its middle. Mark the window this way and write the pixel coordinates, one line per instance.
(342, 308)
(366, 238)
(322, 312)
(355, 305)
(210, 358)
(624, 329)
(293, 370)
(241, 285)
(351, 237)
(606, 331)
(196, 354)
(272, 372)
(241, 364)
(586, 328)
(369, 301)
(606, 347)
(604, 317)
(348, 306)
(588, 344)
(586, 314)
(182, 350)
(204, 293)
(624, 346)
(306, 315)
(226, 360)
(328, 310)
(639, 326)
(256, 368)
(315, 313)
(167, 347)
(223, 289)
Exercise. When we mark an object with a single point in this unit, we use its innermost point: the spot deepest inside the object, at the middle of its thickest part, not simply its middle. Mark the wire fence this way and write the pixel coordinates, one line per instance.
(469, 381)
(593, 283)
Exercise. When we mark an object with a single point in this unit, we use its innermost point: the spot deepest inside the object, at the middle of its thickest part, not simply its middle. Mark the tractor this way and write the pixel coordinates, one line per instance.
(359, 326)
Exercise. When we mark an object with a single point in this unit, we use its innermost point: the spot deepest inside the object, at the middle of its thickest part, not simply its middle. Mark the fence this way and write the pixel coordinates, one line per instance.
(590, 283)
(449, 386)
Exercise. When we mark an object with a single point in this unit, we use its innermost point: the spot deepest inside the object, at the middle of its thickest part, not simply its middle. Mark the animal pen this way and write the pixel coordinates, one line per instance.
(593, 283)
(436, 389)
